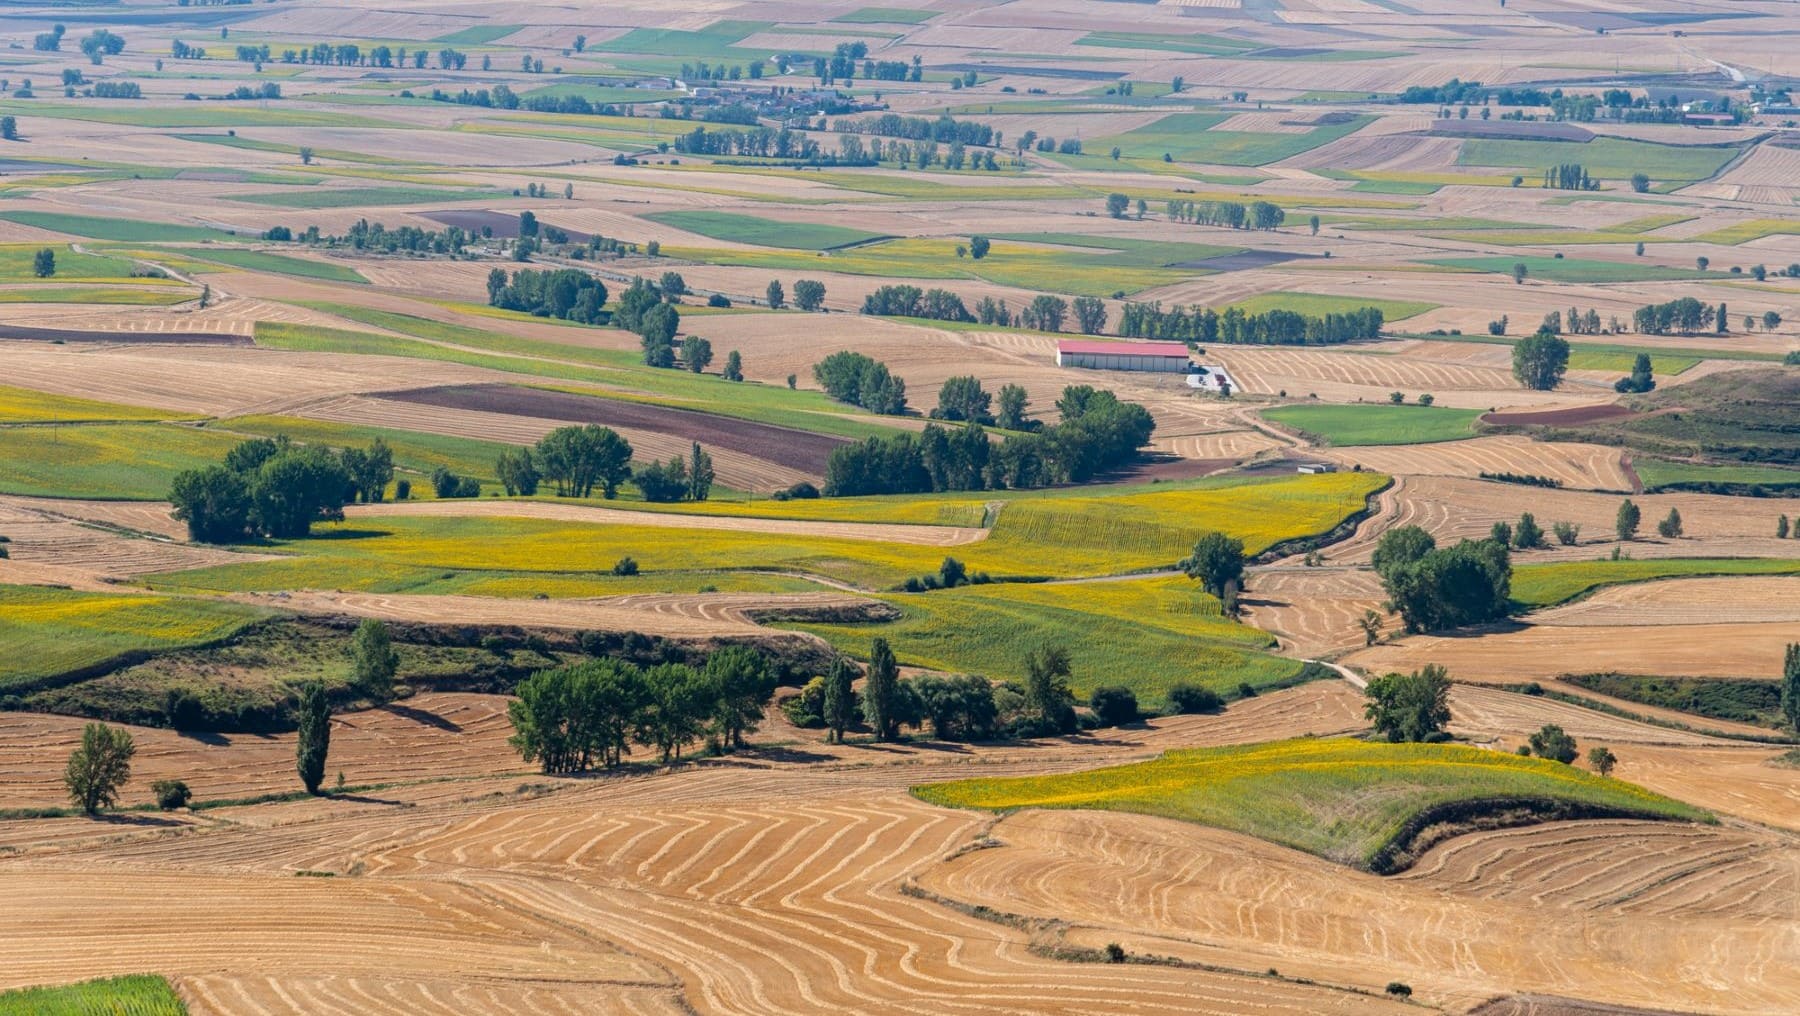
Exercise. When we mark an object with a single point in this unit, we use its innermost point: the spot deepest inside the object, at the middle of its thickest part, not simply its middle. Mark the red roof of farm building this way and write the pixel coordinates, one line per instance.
(1172, 349)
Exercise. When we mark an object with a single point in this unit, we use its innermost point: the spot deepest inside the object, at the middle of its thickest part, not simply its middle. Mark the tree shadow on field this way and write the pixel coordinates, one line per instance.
(1478, 631)
(782, 754)
(348, 534)
(210, 738)
(421, 716)
(120, 818)
(363, 799)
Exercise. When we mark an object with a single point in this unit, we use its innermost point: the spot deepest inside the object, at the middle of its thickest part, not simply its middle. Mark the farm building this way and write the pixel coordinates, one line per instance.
(1211, 379)
(1164, 357)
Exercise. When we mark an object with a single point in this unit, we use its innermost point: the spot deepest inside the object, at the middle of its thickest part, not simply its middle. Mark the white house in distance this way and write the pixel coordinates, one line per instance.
(1211, 379)
(1160, 357)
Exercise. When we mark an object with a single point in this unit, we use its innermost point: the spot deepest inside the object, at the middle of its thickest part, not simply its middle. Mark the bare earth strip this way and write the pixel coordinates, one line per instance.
(924, 536)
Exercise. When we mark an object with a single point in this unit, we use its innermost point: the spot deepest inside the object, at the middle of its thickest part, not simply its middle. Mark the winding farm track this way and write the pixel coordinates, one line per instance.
(925, 536)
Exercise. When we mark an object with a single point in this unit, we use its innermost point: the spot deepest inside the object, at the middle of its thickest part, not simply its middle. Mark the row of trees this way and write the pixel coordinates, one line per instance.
(576, 459)
(758, 142)
(944, 129)
(1203, 325)
(1096, 432)
(572, 718)
(272, 487)
(911, 301)
(1231, 214)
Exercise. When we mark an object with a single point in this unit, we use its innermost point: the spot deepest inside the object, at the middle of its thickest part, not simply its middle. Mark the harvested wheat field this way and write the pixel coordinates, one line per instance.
(1216, 897)
(1535, 651)
(1580, 466)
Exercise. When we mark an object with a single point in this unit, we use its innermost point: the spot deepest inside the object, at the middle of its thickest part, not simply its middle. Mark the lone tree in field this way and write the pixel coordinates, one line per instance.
(1790, 685)
(809, 294)
(776, 295)
(734, 367)
(1540, 361)
(373, 652)
(1553, 743)
(306, 156)
(1670, 528)
(840, 700)
(1047, 695)
(1625, 524)
(1520, 272)
(1117, 204)
(1409, 707)
(9, 128)
(315, 736)
(1602, 760)
(881, 692)
(1370, 623)
(978, 247)
(43, 263)
(1217, 563)
(99, 767)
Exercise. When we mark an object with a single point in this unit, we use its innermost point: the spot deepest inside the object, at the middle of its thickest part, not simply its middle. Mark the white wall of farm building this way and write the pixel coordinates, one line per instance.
(1122, 361)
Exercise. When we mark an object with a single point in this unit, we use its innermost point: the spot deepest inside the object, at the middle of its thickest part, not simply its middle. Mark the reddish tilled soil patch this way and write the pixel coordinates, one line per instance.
(31, 334)
(1558, 417)
(794, 449)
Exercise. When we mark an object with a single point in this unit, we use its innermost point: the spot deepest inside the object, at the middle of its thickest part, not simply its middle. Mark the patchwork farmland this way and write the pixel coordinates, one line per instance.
(652, 508)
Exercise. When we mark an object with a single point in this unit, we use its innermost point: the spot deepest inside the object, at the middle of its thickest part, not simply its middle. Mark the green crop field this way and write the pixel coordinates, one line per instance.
(1353, 426)
(1550, 269)
(1754, 229)
(477, 35)
(23, 405)
(1033, 536)
(885, 16)
(255, 145)
(1199, 45)
(1320, 304)
(1544, 585)
(1603, 157)
(1194, 137)
(280, 264)
(1661, 474)
(713, 42)
(50, 631)
(595, 93)
(1145, 634)
(1621, 360)
(142, 296)
(71, 266)
(125, 462)
(356, 197)
(1096, 268)
(1348, 801)
(131, 995)
(750, 229)
(98, 227)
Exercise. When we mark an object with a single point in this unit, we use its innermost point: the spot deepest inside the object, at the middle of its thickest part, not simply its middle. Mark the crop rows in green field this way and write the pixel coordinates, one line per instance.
(1603, 157)
(126, 461)
(1349, 801)
(1194, 137)
(1576, 270)
(132, 995)
(1544, 585)
(1662, 474)
(1350, 426)
(100, 227)
(751, 229)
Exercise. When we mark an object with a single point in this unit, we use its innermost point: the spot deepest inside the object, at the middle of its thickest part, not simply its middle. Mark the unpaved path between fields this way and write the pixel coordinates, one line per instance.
(701, 615)
(922, 536)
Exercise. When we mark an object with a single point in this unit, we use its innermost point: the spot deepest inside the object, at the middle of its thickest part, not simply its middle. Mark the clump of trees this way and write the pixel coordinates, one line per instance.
(678, 479)
(273, 487)
(911, 301)
(1434, 588)
(579, 458)
(1410, 707)
(1640, 379)
(571, 718)
(1570, 176)
(567, 293)
(1096, 432)
(1230, 214)
(861, 381)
